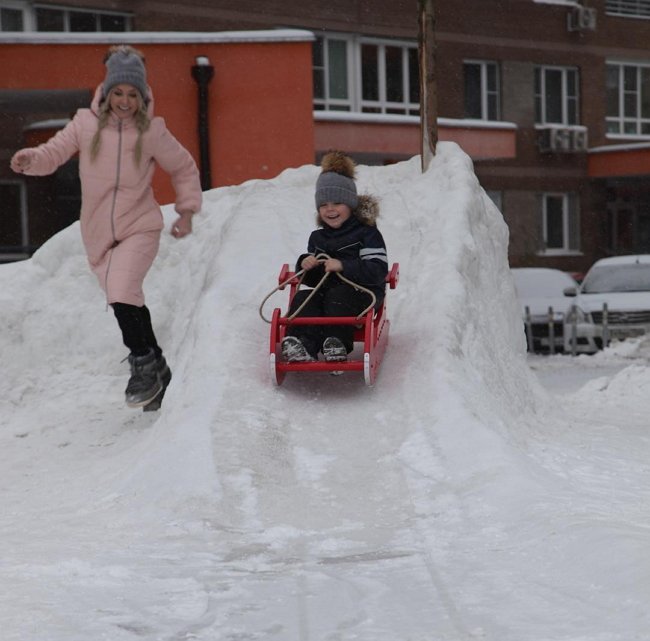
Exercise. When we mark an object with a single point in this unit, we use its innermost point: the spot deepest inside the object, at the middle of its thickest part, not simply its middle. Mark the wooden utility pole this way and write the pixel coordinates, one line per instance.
(428, 92)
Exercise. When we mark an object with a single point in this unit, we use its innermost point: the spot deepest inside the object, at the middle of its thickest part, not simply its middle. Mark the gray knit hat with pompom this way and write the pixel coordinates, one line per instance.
(336, 182)
(125, 65)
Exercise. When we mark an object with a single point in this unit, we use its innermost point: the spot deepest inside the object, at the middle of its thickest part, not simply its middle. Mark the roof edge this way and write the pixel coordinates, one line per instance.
(156, 37)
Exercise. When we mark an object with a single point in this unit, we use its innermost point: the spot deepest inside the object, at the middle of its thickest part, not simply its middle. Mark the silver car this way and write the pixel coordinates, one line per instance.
(613, 302)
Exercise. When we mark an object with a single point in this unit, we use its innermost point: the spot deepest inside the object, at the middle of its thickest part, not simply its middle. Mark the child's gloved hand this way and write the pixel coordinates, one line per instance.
(333, 265)
(309, 262)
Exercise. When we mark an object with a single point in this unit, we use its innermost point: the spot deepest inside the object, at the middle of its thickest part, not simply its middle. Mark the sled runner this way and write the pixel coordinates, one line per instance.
(370, 335)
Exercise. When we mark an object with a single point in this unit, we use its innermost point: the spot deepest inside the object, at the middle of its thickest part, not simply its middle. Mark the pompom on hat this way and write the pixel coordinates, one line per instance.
(336, 181)
(125, 65)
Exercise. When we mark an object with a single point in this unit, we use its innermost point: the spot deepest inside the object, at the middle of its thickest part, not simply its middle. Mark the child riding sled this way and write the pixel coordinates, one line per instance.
(348, 243)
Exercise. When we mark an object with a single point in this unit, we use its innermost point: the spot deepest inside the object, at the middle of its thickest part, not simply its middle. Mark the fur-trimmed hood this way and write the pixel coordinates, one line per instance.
(368, 210)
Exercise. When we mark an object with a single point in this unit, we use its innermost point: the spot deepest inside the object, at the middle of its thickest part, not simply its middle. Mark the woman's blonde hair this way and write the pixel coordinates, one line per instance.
(142, 120)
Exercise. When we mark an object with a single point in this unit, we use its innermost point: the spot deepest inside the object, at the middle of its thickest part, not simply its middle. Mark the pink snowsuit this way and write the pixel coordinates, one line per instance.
(120, 220)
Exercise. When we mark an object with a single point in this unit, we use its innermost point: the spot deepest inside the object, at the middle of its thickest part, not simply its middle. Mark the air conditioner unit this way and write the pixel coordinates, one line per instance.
(556, 140)
(579, 139)
(581, 19)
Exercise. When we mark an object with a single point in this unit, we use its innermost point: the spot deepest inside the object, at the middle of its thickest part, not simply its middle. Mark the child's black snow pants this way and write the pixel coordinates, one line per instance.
(340, 299)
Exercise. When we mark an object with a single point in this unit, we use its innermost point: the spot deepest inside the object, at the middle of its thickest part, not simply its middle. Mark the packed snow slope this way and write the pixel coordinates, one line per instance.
(453, 500)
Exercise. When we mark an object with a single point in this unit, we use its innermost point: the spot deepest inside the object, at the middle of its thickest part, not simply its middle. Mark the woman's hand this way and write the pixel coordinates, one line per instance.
(22, 160)
(183, 225)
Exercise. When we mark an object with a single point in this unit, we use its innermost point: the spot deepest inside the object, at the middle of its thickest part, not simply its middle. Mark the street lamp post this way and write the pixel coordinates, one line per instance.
(203, 73)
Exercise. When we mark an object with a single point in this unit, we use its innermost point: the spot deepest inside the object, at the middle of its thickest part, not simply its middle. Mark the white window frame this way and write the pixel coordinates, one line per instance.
(23, 7)
(327, 103)
(384, 105)
(621, 120)
(628, 8)
(485, 91)
(570, 206)
(543, 119)
(98, 13)
(29, 14)
(354, 102)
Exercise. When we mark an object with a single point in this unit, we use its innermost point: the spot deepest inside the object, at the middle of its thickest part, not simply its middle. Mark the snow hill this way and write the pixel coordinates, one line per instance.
(453, 500)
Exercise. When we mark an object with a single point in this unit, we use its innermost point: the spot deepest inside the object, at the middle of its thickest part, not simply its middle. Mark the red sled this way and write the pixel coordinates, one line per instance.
(371, 330)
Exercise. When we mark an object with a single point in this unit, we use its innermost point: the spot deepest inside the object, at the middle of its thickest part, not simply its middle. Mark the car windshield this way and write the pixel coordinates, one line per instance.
(617, 278)
(543, 283)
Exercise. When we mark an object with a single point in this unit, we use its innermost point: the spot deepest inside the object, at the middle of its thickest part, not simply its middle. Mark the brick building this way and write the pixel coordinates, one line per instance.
(550, 98)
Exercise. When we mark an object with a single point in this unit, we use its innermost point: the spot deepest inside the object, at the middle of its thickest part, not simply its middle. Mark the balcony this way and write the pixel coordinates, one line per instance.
(399, 136)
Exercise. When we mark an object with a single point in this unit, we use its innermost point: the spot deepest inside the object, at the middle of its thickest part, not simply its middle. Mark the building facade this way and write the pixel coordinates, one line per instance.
(550, 98)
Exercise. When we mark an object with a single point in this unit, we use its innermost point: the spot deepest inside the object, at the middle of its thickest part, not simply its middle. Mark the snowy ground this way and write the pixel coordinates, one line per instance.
(471, 494)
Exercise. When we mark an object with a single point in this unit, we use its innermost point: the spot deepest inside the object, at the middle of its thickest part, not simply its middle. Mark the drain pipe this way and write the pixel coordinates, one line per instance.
(203, 72)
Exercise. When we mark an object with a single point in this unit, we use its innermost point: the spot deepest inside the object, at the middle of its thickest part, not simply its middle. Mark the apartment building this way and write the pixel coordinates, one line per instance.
(550, 98)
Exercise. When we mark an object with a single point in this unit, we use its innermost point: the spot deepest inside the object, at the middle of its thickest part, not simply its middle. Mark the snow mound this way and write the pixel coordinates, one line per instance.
(321, 509)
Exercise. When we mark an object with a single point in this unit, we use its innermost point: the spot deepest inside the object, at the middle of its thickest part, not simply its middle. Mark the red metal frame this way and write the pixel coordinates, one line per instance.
(371, 330)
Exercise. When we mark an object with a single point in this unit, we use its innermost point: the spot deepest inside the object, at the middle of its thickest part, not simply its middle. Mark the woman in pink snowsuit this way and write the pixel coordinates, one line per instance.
(120, 142)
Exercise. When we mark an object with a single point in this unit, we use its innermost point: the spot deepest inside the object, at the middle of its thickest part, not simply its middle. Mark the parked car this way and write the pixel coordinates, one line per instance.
(538, 289)
(623, 284)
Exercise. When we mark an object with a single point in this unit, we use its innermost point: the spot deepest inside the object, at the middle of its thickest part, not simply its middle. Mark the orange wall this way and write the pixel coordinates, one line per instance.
(404, 138)
(482, 144)
(260, 99)
(623, 162)
(367, 137)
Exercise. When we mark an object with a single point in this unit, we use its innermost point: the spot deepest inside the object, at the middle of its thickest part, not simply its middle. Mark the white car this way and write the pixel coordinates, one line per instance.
(538, 289)
(613, 302)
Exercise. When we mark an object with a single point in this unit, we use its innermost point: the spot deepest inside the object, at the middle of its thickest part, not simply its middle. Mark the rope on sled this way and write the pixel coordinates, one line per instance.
(301, 274)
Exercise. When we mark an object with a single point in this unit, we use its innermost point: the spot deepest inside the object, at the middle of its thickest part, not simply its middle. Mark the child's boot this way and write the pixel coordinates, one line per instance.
(334, 350)
(165, 378)
(145, 382)
(293, 351)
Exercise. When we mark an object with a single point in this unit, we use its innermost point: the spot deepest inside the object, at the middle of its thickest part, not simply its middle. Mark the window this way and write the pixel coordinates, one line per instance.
(57, 19)
(560, 223)
(113, 22)
(11, 19)
(481, 90)
(628, 8)
(50, 20)
(22, 16)
(331, 74)
(628, 99)
(13, 220)
(389, 79)
(556, 96)
(365, 75)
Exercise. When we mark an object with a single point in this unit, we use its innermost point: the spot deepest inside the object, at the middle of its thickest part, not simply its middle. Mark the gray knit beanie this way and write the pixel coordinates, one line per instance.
(332, 187)
(125, 66)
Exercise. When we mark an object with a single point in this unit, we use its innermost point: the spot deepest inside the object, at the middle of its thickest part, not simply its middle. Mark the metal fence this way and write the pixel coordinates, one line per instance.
(538, 333)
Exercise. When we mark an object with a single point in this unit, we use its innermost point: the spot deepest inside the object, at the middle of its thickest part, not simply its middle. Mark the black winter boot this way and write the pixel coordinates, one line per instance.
(145, 382)
(334, 350)
(165, 378)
